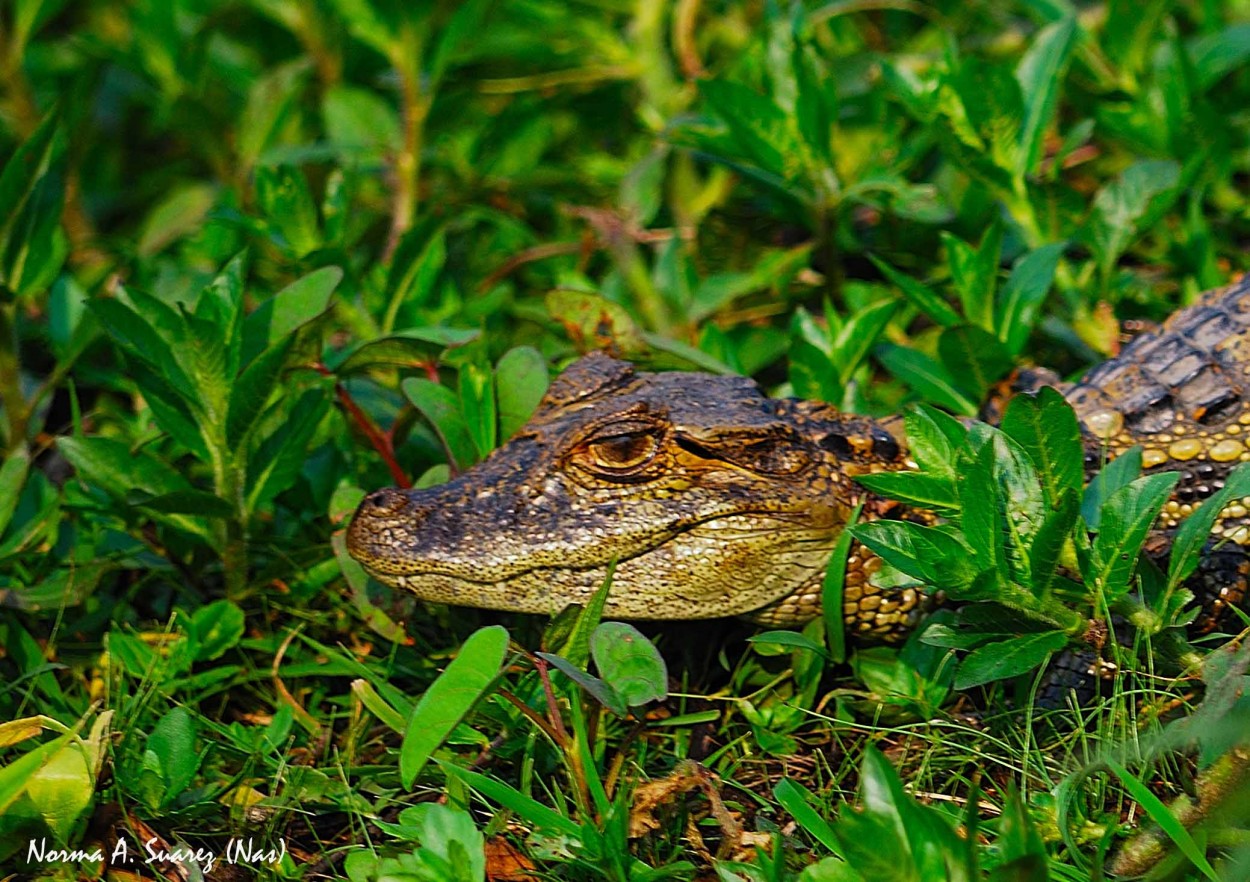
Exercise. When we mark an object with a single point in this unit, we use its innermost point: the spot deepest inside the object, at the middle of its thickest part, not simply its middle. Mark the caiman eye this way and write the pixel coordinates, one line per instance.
(624, 451)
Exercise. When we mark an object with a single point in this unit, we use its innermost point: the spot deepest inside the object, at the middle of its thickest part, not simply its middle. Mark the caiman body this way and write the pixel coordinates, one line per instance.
(715, 500)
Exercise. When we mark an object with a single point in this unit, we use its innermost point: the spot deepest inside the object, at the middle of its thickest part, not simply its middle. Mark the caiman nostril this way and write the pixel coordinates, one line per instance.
(385, 502)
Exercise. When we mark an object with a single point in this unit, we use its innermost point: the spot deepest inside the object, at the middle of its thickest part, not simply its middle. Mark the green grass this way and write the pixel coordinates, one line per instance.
(258, 257)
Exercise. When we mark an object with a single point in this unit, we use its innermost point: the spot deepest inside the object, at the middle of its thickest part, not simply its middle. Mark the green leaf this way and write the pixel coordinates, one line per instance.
(628, 661)
(790, 639)
(32, 189)
(279, 458)
(1045, 426)
(569, 632)
(360, 123)
(1021, 297)
(1121, 203)
(376, 28)
(1040, 74)
(882, 820)
(141, 340)
(477, 403)
(926, 376)
(171, 408)
(218, 627)
(186, 501)
(855, 339)
(450, 836)
(450, 698)
(203, 355)
(179, 213)
(1116, 474)
(1218, 54)
(220, 306)
(337, 217)
(378, 706)
(993, 108)
(252, 391)
(521, 380)
(923, 297)
(891, 837)
(1021, 845)
(602, 691)
(1130, 34)
(112, 466)
(531, 810)
(460, 29)
(596, 321)
(1002, 478)
(1167, 821)
(12, 479)
(61, 789)
(932, 439)
(410, 348)
(761, 132)
(1048, 544)
(15, 776)
(810, 368)
(441, 407)
(28, 17)
(926, 553)
(172, 741)
(797, 800)
(815, 102)
(936, 492)
(1124, 523)
(974, 273)
(1191, 538)
(275, 320)
(415, 268)
(974, 358)
(982, 515)
(271, 101)
(832, 590)
(287, 201)
(1008, 658)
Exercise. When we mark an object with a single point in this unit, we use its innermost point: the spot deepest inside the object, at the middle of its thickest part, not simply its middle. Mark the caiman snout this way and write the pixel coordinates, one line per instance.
(384, 528)
(383, 503)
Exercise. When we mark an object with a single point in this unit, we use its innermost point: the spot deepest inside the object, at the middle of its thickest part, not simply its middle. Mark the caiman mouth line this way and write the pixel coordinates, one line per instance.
(427, 567)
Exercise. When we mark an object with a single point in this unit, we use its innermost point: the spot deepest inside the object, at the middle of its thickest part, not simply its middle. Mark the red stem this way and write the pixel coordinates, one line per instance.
(381, 442)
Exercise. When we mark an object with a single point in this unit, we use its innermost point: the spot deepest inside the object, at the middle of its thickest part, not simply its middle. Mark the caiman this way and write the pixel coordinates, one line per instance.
(715, 500)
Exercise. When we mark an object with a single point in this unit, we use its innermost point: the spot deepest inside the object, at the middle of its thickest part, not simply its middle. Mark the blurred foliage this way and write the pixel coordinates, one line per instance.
(259, 256)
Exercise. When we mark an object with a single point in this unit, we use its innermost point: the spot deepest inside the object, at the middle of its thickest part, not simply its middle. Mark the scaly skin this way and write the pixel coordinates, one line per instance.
(718, 501)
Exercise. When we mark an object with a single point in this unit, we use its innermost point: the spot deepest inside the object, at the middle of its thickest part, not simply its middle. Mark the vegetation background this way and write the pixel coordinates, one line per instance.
(259, 256)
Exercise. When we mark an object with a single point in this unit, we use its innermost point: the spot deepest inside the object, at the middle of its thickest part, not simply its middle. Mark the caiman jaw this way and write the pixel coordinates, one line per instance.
(727, 563)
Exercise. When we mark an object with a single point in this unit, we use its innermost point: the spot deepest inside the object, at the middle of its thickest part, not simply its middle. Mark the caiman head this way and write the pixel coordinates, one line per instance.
(712, 499)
